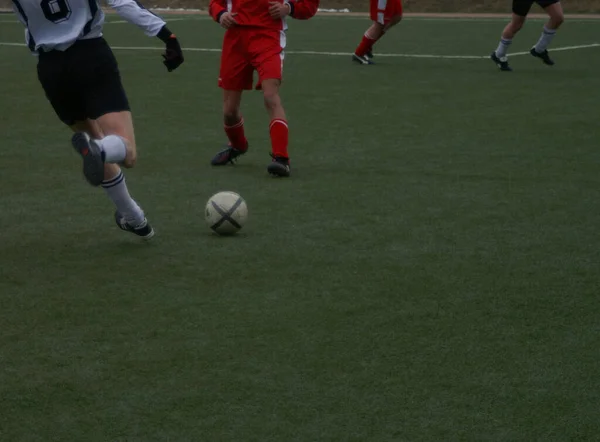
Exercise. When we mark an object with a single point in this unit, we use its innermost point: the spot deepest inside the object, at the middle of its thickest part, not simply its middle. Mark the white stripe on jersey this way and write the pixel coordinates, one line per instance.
(57, 24)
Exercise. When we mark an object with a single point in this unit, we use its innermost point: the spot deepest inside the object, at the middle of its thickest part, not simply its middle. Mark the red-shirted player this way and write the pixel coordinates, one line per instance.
(385, 14)
(255, 41)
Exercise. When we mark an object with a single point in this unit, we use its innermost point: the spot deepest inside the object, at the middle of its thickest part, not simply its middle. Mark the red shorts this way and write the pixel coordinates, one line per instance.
(382, 11)
(246, 50)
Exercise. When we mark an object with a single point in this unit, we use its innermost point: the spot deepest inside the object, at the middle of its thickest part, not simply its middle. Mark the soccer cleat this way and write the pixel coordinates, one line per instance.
(144, 230)
(93, 159)
(502, 63)
(279, 167)
(543, 55)
(227, 156)
(361, 59)
(369, 55)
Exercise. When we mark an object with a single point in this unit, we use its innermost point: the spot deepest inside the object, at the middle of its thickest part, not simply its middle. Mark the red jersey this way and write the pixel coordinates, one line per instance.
(255, 13)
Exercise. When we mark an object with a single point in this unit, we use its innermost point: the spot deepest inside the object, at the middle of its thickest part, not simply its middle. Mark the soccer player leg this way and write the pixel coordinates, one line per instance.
(268, 60)
(107, 104)
(235, 76)
(233, 120)
(270, 69)
(363, 52)
(520, 9)
(556, 18)
(118, 147)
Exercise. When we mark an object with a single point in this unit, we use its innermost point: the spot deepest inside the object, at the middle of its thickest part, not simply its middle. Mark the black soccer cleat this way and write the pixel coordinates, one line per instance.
(93, 158)
(543, 55)
(144, 230)
(226, 156)
(361, 59)
(279, 167)
(502, 63)
(369, 55)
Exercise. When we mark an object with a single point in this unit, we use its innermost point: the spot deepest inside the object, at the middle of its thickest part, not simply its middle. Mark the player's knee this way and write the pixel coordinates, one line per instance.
(271, 97)
(517, 25)
(395, 20)
(130, 159)
(558, 20)
(231, 117)
(375, 31)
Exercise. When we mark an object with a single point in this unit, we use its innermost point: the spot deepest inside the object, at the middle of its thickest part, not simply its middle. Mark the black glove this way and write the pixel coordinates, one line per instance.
(173, 55)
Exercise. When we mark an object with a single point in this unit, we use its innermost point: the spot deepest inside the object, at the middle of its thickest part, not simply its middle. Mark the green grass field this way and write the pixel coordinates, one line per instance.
(429, 273)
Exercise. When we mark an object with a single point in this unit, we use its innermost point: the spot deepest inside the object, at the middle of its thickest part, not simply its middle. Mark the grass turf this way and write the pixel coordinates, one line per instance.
(430, 271)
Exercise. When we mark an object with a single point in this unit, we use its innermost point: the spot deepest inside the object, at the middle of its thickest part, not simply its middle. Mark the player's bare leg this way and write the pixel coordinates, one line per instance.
(499, 56)
(278, 128)
(556, 19)
(234, 128)
(112, 135)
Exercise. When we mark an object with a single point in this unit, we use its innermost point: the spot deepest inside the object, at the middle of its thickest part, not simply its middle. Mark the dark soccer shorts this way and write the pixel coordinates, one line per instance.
(522, 7)
(83, 81)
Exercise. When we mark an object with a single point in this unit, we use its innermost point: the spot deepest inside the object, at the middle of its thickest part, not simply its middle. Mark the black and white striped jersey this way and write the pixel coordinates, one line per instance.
(57, 24)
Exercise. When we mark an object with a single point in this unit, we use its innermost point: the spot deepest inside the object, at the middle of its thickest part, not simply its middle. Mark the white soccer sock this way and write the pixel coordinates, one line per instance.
(503, 47)
(545, 40)
(116, 189)
(114, 148)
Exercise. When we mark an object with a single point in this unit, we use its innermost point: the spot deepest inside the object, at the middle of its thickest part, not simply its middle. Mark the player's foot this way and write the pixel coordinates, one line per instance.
(227, 156)
(144, 230)
(502, 63)
(543, 55)
(361, 59)
(280, 167)
(93, 160)
(369, 55)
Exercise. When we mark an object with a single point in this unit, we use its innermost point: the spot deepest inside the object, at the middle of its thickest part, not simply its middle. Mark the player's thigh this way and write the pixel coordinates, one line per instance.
(270, 68)
(101, 80)
(90, 127)
(521, 8)
(393, 13)
(268, 56)
(60, 87)
(236, 70)
(380, 10)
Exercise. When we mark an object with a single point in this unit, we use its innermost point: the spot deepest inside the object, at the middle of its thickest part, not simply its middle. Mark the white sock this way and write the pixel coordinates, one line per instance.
(114, 148)
(503, 47)
(116, 189)
(545, 40)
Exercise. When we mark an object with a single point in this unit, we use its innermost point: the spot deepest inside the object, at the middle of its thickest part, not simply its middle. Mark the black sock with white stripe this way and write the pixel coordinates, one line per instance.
(116, 189)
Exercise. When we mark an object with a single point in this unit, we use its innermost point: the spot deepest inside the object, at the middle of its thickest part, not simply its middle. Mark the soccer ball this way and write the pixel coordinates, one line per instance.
(226, 213)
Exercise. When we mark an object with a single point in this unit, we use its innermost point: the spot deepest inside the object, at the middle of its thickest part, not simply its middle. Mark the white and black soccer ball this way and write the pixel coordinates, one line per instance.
(226, 213)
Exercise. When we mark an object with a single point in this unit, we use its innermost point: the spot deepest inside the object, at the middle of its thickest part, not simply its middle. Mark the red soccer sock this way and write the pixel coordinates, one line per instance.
(366, 44)
(278, 130)
(237, 138)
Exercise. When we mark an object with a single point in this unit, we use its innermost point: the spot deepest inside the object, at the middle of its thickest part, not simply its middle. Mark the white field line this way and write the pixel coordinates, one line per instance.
(344, 54)
(118, 22)
(203, 16)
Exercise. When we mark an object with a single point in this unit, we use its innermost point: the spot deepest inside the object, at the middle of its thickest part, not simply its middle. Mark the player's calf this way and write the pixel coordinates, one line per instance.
(278, 129)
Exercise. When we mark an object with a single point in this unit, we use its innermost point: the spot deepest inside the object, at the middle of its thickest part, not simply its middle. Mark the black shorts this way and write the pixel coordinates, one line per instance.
(522, 7)
(83, 81)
